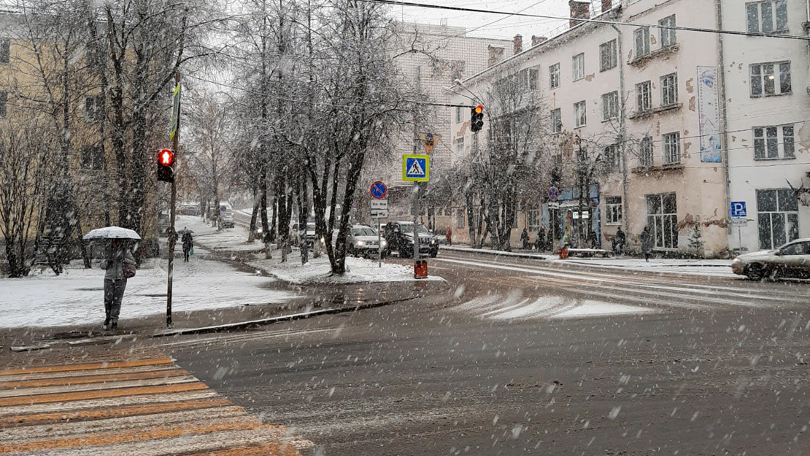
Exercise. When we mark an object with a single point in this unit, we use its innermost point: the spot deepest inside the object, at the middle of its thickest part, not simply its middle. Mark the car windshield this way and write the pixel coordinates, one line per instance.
(408, 228)
(363, 231)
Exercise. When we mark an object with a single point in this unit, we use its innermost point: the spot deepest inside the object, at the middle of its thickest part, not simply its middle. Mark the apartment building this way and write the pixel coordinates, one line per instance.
(672, 121)
(432, 57)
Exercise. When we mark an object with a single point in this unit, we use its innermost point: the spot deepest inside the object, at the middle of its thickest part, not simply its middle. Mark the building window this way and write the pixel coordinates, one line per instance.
(93, 108)
(460, 147)
(613, 209)
(643, 96)
(774, 142)
(458, 114)
(475, 141)
(662, 218)
(460, 218)
(5, 50)
(669, 89)
(578, 66)
(607, 55)
(610, 157)
(92, 158)
(556, 120)
(667, 28)
(672, 148)
(580, 118)
(641, 38)
(767, 17)
(554, 75)
(534, 76)
(533, 217)
(645, 155)
(3, 104)
(764, 79)
(777, 217)
(610, 105)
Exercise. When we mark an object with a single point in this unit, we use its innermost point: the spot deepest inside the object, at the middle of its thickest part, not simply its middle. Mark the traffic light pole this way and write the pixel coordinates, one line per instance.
(172, 231)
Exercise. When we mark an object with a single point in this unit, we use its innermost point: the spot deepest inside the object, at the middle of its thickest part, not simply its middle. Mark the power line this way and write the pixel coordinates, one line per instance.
(597, 21)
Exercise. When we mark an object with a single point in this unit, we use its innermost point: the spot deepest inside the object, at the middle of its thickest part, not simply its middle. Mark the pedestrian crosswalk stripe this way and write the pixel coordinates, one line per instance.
(138, 407)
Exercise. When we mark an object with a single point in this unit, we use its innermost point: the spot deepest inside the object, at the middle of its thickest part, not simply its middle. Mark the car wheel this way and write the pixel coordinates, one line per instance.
(404, 253)
(434, 254)
(755, 271)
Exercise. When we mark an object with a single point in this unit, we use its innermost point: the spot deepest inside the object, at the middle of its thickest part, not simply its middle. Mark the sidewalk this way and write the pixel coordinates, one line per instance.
(714, 267)
(226, 284)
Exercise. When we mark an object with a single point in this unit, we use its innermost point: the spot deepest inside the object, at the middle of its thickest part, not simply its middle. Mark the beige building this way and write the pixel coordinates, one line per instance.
(671, 121)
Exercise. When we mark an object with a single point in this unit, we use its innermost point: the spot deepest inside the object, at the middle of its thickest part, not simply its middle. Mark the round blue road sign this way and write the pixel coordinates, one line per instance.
(378, 190)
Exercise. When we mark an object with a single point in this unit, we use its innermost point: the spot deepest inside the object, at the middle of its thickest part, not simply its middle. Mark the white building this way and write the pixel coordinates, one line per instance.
(675, 119)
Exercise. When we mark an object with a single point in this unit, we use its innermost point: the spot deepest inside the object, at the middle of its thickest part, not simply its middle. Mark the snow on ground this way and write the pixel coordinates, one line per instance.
(77, 296)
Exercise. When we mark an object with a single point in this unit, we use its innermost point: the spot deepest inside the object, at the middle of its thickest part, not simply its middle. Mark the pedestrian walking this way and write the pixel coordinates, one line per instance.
(618, 242)
(449, 235)
(646, 243)
(541, 238)
(188, 244)
(524, 239)
(120, 265)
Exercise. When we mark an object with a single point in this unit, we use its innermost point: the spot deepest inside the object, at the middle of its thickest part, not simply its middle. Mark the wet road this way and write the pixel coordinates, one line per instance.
(524, 357)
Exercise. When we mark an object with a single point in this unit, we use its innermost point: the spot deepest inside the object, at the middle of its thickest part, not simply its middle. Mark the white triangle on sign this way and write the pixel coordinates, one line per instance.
(416, 169)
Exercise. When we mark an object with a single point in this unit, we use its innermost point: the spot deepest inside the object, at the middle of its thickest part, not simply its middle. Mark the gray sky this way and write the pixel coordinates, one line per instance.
(491, 25)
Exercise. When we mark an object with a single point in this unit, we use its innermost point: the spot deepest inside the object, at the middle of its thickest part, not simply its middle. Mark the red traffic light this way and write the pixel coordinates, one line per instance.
(166, 157)
(479, 109)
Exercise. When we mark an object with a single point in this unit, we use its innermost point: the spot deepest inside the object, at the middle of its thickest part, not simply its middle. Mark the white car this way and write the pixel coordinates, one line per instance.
(364, 241)
(789, 260)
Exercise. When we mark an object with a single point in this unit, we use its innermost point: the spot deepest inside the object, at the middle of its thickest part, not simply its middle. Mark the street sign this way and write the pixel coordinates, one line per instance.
(378, 190)
(739, 222)
(175, 119)
(553, 193)
(415, 168)
(429, 141)
(738, 209)
(553, 205)
(379, 208)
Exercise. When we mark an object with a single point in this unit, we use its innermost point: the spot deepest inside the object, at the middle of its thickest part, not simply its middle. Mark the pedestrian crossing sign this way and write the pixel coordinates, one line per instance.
(415, 168)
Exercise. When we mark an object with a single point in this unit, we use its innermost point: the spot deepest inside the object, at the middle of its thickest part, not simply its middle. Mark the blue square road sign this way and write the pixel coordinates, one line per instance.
(738, 209)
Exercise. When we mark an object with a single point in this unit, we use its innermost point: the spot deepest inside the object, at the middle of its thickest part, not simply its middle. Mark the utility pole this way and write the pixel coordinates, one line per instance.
(175, 136)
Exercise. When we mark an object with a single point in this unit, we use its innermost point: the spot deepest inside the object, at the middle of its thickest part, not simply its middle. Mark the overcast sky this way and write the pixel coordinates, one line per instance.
(491, 25)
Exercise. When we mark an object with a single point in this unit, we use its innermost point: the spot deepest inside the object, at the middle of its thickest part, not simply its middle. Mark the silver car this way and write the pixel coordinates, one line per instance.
(364, 241)
(789, 260)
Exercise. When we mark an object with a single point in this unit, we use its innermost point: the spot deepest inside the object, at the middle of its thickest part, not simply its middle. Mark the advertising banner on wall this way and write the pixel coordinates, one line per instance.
(709, 115)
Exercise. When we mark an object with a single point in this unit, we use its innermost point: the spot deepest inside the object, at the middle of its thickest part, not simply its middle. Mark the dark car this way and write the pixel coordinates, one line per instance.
(399, 236)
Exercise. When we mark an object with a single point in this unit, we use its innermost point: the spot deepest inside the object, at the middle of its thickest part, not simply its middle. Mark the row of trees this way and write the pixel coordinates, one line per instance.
(86, 89)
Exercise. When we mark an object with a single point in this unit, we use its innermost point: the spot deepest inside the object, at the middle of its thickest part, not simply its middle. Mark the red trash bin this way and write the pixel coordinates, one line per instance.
(563, 253)
(420, 269)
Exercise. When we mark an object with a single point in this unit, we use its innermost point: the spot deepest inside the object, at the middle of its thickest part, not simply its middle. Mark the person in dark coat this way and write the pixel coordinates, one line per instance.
(188, 244)
(618, 241)
(646, 243)
(541, 239)
(115, 281)
(524, 239)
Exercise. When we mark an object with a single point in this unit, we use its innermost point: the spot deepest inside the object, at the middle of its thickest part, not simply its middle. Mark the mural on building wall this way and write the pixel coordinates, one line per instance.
(708, 115)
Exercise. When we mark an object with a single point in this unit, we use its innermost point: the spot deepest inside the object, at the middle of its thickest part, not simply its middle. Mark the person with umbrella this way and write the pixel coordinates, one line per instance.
(188, 243)
(120, 265)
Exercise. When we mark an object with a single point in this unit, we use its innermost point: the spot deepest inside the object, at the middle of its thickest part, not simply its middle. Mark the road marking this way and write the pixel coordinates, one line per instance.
(139, 407)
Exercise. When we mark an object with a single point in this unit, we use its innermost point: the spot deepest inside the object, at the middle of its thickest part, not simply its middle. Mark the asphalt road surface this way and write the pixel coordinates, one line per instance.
(525, 357)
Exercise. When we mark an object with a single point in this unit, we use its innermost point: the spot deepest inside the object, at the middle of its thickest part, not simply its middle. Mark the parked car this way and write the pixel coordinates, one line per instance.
(365, 241)
(226, 214)
(399, 236)
(789, 260)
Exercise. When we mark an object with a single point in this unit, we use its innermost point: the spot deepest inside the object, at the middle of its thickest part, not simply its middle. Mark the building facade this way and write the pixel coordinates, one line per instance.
(680, 113)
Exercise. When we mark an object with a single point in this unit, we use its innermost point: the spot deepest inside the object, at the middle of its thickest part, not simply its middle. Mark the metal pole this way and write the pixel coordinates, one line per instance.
(172, 232)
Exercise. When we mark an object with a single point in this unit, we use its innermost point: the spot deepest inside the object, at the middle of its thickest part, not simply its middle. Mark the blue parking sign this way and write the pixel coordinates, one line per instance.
(738, 209)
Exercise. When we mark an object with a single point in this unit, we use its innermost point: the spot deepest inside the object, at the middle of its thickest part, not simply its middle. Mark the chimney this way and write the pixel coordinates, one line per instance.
(518, 42)
(579, 10)
(538, 39)
(495, 55)
(607, 5)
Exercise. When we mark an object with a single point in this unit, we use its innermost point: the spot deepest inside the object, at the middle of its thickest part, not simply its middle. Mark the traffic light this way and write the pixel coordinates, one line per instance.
(477, 119)
(165, 165)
